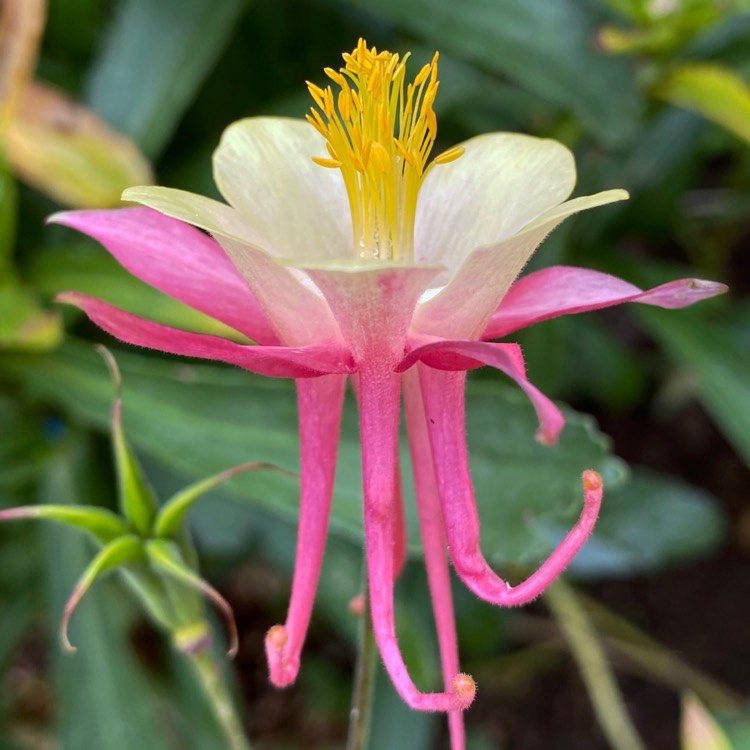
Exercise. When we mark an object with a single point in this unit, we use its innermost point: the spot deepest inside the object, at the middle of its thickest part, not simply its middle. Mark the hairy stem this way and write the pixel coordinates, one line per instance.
(364, 681)
(596, 671)
(218, 696)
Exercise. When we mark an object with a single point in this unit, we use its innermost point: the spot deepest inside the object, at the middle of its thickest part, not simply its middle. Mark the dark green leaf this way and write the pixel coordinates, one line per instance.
(152, 61)
(544, 47)
(392, 720)
(651, 522)
(720, 363)
(89, 269)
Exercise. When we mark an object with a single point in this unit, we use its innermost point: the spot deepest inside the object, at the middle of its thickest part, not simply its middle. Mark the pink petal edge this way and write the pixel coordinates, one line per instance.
(565, 290)
(467, 355)
(176, 259)
(272, 361)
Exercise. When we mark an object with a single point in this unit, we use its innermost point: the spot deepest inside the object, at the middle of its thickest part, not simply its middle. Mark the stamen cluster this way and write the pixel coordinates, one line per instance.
(379, 132)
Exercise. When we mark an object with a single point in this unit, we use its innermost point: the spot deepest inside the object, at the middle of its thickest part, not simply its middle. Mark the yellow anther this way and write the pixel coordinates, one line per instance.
(335, 76)
(422, 75)
(403, 151)
(345, 103)
(358, 162)
(379, 132)
(328, 103)
(366, 153)
(330, 163)
(380, 158)
(316, 93)
(450, 155)
(314, 120)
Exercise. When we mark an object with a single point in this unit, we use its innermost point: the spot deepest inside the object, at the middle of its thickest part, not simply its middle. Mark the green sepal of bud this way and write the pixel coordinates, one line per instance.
(119, 552)
(165, 556)
(99, 523)
(137, 499)
(150, 548)
(192, 638)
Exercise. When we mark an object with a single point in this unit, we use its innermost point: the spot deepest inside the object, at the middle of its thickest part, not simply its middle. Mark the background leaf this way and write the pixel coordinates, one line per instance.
(153, 58)
(211, 418)
(713, 91)
(544, 47)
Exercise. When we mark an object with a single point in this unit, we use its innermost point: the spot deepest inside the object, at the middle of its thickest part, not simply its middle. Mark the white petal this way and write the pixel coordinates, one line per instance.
(263, 168)
(206, 213)
(462, 308)
(502, 182)
(298, 314)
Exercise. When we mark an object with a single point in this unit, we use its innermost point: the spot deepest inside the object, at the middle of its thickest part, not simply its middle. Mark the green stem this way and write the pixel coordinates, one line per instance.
(597, 674)
(219, 698)
(364, 681)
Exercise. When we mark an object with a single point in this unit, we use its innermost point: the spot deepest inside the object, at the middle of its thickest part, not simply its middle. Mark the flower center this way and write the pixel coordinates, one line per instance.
(379, 132)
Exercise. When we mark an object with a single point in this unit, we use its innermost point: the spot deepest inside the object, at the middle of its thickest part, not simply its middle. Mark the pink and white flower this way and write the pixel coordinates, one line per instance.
(346, 255)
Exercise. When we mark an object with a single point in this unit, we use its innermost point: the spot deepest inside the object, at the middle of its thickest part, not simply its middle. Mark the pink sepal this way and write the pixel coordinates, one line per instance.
(373, 306)
(177, 259)
(443, 394)
(378, 395)
(273, 361)
(320, 402)
(564, 290)
(432, 530)
(508, 358)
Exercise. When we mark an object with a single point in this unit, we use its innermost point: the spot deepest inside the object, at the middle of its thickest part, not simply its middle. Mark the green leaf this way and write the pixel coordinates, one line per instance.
(713, 91)
(392, 720)
(24, 326)
(543, 47)
(651, 522)
(165, 559)
(153, 59)
(87, 268)
(8, 211)
(104, 699)
(721, 364)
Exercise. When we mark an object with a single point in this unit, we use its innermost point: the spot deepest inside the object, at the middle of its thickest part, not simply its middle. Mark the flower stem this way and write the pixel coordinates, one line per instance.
(596, 671)
(364, 681)
(221, 702)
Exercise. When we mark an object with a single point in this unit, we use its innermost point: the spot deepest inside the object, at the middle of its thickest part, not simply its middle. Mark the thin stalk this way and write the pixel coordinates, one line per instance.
(596, 671)
(364, 681)
(221, 702)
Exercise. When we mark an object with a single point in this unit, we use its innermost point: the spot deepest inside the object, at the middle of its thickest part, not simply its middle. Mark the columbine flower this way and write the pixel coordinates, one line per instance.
(346, 254)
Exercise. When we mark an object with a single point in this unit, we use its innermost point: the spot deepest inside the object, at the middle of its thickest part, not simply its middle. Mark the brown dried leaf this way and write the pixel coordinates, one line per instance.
(69, 153)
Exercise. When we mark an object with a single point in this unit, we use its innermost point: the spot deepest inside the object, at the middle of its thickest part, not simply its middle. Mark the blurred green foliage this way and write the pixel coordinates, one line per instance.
(648, 94)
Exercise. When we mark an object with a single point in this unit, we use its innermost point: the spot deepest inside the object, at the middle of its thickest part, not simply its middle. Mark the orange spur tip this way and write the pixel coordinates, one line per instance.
(277, 637)
(592, 480)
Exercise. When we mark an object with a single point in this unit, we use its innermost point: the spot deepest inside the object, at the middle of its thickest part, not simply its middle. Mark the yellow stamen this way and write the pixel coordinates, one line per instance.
(379, 132)
(450, 155)
(330, 163)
